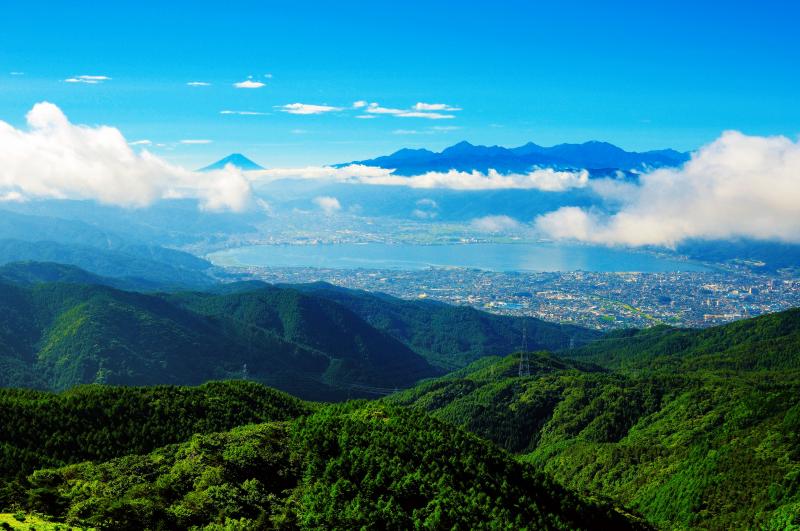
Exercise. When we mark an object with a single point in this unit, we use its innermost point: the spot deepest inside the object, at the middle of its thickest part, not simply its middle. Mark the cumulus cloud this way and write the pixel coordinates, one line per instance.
(360, 104)
(56, 159)
(494, 224)
(329, 205)
(305, 108)
(249, 84)
(198, 84)
(737, 186)
(89, 80)
(540, 179)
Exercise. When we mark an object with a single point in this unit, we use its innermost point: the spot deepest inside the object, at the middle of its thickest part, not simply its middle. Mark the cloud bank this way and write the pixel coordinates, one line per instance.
(737, 186)
(547, 179)
(55, 159)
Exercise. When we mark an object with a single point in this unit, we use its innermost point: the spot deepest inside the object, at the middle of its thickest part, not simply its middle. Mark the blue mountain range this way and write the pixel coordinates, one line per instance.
(598, 157)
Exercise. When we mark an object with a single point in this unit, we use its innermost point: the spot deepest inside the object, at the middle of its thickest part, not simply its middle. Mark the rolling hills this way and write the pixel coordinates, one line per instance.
(57, 335)
(450, 336)
(61, 326)
(359, 465)
(690, 428)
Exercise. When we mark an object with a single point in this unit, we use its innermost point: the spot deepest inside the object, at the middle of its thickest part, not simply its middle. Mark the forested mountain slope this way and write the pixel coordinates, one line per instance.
(713, 442)
(368, 466)
(56, 335)
(451, 336)
(768, 342)
(100, 422)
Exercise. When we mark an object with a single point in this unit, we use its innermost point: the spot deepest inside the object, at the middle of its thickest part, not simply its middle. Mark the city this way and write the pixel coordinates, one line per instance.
(604, 301)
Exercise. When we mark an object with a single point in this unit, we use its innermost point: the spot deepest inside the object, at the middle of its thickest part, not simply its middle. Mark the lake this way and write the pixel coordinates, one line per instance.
(486, 256)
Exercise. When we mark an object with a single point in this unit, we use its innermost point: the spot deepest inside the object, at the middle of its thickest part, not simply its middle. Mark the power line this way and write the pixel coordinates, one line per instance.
(524, 362)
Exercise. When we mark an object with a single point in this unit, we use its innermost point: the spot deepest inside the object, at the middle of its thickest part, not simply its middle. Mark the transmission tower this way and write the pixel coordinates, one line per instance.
(524, 362)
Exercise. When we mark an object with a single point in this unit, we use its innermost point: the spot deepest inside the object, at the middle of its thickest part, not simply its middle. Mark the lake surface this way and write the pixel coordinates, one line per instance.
(487, 256)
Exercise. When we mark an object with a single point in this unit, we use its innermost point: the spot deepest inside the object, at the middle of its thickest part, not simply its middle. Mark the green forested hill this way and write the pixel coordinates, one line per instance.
(713, 445)
(100, 422)
(367, 466)
(450, 336)
(770, 342)
(63, 326)
(56, 335)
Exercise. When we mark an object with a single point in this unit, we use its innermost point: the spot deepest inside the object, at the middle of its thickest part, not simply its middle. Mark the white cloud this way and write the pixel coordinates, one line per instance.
(737, 186)
(89, 80)
(366, 116)
(305, 108)
(376, 108)
(11, 197)
(427, 202)
(426, 209)
(544, 179)
(198, 84)
(144, 142)
(192, 141)
(244, 113)
(435, 107)
(360, 104)
(548, 180)
(494, 224)
(249, 84)
(56, 159)
(329, 205)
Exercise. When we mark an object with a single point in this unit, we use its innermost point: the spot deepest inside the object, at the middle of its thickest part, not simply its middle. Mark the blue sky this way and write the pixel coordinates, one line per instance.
(643, 75)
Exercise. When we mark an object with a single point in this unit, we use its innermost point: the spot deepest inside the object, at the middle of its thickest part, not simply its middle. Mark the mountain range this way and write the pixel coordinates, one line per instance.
(598, 157)
(664, 427)
(60, 326)
(693, 429)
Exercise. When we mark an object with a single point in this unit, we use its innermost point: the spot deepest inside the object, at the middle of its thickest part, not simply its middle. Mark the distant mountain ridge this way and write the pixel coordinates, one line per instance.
(464, 156)
(234, 159)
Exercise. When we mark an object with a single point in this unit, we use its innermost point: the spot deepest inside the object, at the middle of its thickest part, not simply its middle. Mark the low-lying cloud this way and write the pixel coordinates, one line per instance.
(328, 205)
(55, 159)
(738, 186)
(540, 179)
